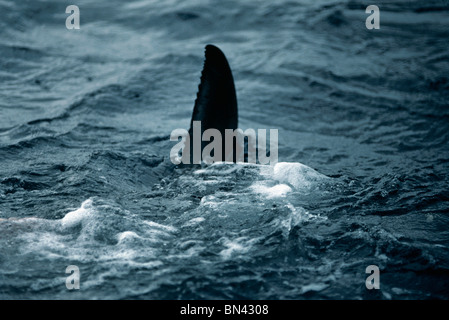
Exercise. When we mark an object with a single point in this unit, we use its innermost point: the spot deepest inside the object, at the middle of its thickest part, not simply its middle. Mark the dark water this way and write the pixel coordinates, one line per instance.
(85, 176)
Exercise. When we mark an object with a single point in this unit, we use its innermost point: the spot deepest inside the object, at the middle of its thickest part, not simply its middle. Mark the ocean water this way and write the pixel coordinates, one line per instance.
(363, 172)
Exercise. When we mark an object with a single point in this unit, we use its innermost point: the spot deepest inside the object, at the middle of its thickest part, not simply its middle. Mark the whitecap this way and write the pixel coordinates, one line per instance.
(277, 191)
(74, 218)
(296, 174)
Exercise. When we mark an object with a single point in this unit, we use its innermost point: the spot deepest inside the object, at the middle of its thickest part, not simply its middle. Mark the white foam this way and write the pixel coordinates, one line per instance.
(232, 247)
(297, 215)
(210, 201)
(237, 246)
(277, 191)
(296, 174)
(193, 222)
(317, 287)
(74, 218)
(126, 235)
(22, 220)
(160, 226)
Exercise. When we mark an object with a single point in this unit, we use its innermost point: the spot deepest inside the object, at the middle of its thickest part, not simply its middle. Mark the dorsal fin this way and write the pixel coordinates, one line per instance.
(216, 101)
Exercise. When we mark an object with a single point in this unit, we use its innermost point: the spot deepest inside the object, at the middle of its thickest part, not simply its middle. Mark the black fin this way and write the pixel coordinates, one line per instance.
(216, 101)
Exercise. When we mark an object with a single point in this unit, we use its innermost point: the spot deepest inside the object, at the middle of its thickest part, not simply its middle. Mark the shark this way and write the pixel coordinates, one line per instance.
(214, 116)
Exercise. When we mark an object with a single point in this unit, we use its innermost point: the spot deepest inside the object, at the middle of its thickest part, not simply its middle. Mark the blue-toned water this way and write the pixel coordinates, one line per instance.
(363, 172)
